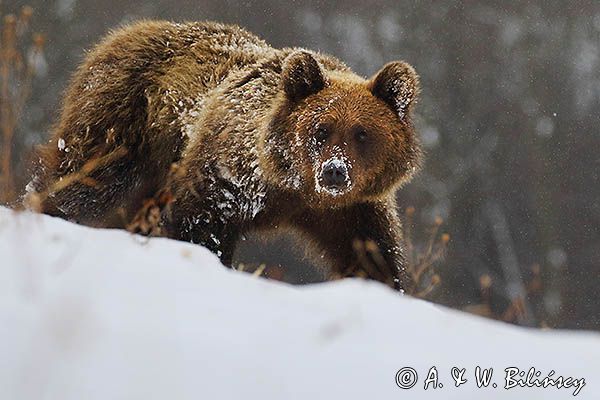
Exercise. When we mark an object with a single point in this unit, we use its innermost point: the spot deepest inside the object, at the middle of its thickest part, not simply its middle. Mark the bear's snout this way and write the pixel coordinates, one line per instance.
(335, 177)
(335, 174)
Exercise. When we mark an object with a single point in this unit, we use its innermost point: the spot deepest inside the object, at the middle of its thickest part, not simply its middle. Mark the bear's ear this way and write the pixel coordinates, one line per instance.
(397, 84)
(301, 75)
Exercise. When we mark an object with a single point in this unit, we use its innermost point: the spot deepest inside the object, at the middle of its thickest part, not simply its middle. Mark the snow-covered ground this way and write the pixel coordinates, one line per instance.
(102, 314)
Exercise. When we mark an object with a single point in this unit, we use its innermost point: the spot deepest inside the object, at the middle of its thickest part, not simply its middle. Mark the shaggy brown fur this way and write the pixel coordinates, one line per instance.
(254, 130)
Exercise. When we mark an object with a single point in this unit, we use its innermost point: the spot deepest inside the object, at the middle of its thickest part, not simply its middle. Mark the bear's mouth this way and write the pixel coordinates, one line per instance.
(332, 190)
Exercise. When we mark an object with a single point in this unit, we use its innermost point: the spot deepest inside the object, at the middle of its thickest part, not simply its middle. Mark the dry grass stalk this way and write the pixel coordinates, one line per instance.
(423, 259)
(273, 272)
(34, 201)
(17, 69)
(259, 271)
(516, 309)
(147, 220)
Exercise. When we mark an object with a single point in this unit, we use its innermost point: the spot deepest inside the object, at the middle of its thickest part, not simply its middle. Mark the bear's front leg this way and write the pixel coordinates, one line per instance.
(204, 213)
(361, 240)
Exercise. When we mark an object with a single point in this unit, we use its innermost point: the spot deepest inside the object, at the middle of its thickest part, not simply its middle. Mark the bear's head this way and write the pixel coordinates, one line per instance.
(338, 139)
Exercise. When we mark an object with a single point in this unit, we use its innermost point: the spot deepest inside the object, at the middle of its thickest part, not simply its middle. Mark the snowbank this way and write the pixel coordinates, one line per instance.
(102, 314)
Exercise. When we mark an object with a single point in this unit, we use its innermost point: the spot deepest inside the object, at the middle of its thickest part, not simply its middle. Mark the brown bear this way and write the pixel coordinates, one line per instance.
(263, 138)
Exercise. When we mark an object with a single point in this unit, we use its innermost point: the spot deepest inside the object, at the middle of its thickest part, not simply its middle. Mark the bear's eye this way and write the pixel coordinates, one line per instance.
(322, 134)
(361, 135)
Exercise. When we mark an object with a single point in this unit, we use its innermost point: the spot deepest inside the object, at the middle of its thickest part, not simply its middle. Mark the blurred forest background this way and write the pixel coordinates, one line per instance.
(509, 117)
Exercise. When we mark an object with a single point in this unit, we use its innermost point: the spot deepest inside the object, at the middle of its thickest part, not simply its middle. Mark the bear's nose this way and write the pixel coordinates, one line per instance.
(335, 174)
